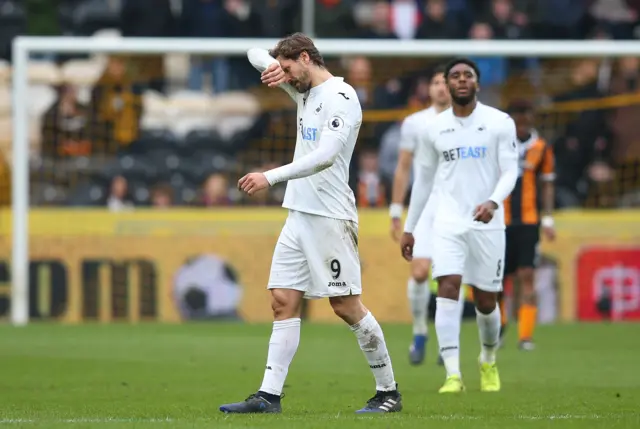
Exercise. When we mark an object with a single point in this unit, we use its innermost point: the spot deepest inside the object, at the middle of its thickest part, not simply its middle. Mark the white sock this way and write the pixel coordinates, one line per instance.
(419, 295)
(489, 330)
(283, 344)
(371, 341)
(448, 332)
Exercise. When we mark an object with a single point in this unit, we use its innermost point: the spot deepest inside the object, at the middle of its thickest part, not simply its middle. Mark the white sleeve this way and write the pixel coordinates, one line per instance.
(342, 115)
(408, 136)
(423, 183)
(260, 60)
(507, 161)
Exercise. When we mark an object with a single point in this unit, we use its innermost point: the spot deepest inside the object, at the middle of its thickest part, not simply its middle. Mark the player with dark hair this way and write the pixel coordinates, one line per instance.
(316, 255)
(522, 216)
(418, 290)
(469, 155)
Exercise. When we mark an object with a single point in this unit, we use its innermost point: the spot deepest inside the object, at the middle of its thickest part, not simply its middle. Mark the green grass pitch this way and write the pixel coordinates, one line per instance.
(157, 376)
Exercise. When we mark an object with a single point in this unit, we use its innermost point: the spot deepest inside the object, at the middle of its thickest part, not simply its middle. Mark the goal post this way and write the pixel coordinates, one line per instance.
(23, 47)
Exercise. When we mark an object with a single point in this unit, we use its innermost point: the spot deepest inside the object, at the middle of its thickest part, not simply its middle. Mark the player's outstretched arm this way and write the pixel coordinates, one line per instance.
(507, 162)
(399, 190)
(312, 163)
(343, 115)
(401, 176)
(262, 61)
(425, 173)
(420, 192)
(422, 186)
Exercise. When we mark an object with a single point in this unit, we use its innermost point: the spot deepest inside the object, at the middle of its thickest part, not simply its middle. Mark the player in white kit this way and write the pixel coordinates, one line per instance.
(316, 255)
(468, 153)
(418, 290)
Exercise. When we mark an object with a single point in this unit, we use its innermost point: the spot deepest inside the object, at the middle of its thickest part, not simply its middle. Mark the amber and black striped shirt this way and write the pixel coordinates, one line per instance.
(536, 163)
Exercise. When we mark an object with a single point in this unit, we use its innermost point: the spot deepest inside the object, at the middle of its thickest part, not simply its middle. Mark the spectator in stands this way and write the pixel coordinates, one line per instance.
(559, 19)
(405, 18)
(332, 19)
(419, 98)
(374, 20)
(206, 19)
(359, 76)
(68, 127)
(119, 199)
(626, 79)
(461, 12)
(278, 16)
(493, 70)
(371, 191)
(437, 24)
(506, 22)
(618, 17)
(584, 151)
(243, 21)
(148, 18)
(162, 196)
(215, 191)
(117, 106)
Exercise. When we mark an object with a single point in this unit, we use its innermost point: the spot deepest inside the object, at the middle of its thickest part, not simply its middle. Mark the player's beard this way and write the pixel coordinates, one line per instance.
(463, 100)
(303, 84)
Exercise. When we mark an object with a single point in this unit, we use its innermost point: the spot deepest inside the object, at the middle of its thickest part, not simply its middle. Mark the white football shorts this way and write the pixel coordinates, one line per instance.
(318, 256)
(423, 233)
(475, 254)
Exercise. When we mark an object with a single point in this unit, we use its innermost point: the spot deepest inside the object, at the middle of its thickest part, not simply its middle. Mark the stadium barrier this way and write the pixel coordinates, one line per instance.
(95, 265)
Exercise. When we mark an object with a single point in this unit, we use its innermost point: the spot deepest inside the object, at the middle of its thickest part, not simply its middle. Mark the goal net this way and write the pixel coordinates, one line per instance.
(119, 157)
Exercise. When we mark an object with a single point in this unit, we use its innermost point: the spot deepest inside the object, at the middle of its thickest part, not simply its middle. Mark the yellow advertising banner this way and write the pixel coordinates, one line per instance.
(98, 265)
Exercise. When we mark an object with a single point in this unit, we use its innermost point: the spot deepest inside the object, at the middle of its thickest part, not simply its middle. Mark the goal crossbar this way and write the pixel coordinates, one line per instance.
(23, 46)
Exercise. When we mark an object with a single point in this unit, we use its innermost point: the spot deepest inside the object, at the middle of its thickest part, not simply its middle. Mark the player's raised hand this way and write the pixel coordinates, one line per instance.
(396, 229)
(273, 75)
(406, 245)
(253, 182)
(484, 212)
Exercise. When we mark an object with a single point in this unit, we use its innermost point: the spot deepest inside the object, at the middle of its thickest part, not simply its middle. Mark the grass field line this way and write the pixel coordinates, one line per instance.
(106, 420)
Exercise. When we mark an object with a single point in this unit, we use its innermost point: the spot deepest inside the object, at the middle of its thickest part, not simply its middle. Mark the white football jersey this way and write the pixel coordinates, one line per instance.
(468, 155)
(413, 126)
(331, 107)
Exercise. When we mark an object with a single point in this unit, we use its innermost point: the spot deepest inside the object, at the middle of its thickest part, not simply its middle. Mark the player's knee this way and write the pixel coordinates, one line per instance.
(348, 308)
(486, 302)
(285, 304)
(420, 270)
(449, 287)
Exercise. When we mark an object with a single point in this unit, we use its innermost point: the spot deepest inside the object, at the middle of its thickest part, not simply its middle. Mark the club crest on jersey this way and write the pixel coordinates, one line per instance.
(336, 123)
(465, 152)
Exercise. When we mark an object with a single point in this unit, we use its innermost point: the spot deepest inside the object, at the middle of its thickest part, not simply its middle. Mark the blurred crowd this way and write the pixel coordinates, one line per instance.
(127, 131)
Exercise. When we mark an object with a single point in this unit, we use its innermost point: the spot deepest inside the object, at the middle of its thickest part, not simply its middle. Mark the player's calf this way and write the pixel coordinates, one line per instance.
(419, 294)
(528, 311)
(488, 318)
(447, 323)
(283, 344)
(372, 343)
